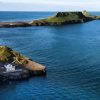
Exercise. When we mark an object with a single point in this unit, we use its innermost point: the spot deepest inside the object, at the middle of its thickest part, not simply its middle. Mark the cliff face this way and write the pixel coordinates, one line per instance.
(7, 55)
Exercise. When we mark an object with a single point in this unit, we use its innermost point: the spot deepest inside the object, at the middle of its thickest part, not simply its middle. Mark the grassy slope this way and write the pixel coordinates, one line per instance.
(67, 17)
(64, 17)
(9, 55)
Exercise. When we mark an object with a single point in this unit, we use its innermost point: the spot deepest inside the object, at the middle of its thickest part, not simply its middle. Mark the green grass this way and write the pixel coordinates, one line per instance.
(62, 17)
(5, 54)
(9, 55)
(68, 17)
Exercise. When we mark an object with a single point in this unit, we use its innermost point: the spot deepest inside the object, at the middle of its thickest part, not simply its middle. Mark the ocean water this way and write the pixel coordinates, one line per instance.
(71, 54)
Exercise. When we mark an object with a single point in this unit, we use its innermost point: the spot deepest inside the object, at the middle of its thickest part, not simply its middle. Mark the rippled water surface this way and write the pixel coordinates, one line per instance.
(71, 54)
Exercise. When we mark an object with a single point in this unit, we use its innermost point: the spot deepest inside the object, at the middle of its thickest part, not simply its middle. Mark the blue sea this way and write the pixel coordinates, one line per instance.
(71, 54)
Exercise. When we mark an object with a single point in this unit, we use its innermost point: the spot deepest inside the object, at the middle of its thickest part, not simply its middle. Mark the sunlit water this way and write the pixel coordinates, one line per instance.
(71, 54)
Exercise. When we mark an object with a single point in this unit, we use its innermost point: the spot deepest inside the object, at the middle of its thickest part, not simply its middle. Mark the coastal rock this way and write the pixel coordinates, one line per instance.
(59, 14)
(87, 14)
(25, 67)
(14, 24)
(71, 14)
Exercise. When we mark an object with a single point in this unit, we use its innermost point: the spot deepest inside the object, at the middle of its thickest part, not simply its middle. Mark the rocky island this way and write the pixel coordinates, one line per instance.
(14, 66)
(61, 18)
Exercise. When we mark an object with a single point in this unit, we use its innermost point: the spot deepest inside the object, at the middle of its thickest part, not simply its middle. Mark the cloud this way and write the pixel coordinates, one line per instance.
(49, 5)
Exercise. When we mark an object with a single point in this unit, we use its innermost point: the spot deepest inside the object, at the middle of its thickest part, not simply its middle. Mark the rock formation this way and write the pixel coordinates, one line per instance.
(28, 67)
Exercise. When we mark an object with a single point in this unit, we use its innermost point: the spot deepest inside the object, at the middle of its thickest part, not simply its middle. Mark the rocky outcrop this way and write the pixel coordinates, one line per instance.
(25, 67)
(14, 24)
(87, 14)
(61, 18)
(71, 14)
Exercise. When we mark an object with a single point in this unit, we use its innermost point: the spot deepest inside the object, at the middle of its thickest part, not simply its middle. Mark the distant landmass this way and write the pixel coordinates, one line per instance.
(61, 18)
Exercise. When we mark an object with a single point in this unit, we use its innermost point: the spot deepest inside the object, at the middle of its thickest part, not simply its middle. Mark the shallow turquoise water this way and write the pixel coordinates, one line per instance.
(71, 54)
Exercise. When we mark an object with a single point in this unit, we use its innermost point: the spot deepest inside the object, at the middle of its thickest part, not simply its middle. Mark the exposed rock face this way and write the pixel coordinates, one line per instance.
(28, 67)
(85, 13)
(91, 16)
(59, 14)
(65, 14)
(61, 18)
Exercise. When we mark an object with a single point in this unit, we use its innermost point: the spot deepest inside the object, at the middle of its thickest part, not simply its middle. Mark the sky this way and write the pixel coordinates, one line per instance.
(49, 5)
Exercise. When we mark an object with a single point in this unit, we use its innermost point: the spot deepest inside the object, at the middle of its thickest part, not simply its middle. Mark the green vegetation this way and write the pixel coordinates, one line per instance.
(65, 16)
(9, 55)
(62, 18)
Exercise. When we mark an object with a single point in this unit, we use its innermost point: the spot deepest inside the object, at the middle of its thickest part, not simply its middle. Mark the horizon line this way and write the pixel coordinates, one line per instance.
(48, 10)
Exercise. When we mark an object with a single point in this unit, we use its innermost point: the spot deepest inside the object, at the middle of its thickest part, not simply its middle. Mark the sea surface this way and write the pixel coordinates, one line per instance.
(71, 54)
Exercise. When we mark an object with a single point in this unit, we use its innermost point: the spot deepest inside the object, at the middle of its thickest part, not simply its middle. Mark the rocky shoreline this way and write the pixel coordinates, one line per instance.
(20, 75)
(14, 24)
(61, 18)
(14, 66)
(38, 23)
